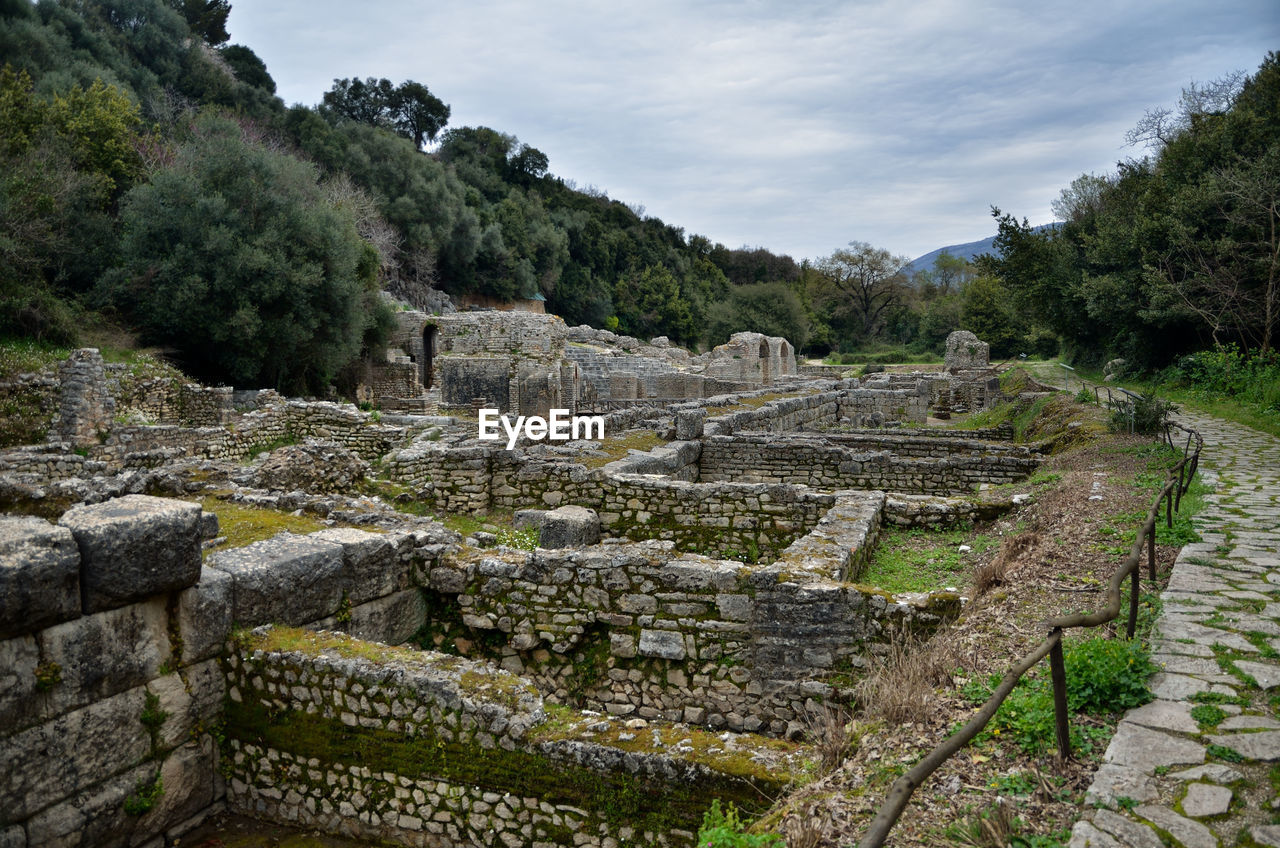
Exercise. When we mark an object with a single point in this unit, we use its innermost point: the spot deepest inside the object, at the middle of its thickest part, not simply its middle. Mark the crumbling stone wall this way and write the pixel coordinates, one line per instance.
(430, 750)
(965, 351)
(823, 465)
(734, 516)
(705, 641)
(85, 407)
(147, 446)
(109, 630)
(167, 400)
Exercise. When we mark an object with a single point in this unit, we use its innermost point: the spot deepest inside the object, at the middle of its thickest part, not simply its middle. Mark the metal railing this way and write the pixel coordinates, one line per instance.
(1170, 497)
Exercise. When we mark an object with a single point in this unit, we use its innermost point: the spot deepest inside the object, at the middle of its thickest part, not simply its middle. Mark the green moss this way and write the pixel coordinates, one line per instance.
(145, 796)
(619, 798)
(153, 718)
(243, 525)
(288, 639)
(921, 560)
(618, 447)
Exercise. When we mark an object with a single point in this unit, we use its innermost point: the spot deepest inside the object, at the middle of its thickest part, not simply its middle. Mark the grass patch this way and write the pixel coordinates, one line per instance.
(920, 560)
(1103, 676)
(243, 525)
(617, 447)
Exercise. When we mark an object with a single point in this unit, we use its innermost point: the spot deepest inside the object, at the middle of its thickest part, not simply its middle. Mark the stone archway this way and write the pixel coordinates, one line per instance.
(766, 373)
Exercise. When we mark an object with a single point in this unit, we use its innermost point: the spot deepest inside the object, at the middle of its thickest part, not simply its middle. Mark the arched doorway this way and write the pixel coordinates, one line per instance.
(765, 374)
(428, 354)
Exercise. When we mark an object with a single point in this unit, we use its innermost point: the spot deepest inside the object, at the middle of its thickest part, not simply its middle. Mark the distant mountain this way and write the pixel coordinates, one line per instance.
(968, 251)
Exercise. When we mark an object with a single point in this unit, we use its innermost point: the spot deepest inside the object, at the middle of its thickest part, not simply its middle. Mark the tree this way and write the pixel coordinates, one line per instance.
(1083, 198)
(1159, 126)
(863, 281)
(363, 101)
(949, 272)
(232, 256)
(409, 109)
(247, 67)
(769, 308)
(206, 18)
(416, 113)
(527, 164)
(988, 313)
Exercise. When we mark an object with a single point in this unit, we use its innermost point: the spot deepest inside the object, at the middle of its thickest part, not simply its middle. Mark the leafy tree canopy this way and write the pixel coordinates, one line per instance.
(232, 256)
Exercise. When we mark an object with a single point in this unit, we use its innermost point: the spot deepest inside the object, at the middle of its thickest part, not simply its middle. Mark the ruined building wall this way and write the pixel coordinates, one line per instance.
(109, 631)
(624, 629)
(823, 465)
(133, 446)
(424, 749)
(108, 683)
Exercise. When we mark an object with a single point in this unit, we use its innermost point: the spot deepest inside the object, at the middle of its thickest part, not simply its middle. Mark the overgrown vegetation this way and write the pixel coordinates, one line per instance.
(1173, 254)
(1104, 676)
(922, 560)
(723, 828)
(243, 525)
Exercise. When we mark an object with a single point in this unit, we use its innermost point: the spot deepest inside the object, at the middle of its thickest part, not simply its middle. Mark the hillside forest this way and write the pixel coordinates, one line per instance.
(151, 181)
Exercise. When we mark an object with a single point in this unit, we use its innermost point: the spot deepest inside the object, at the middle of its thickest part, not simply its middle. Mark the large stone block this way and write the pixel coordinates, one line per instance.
(39, 575)
(187, 700)
(665, 644)
(96, 817)
(372, 565)
(569, 527)
(57, 759)
(13, 837)
(287, 579)
(204, 615)
(19, 704)
(392, 619)
(134, 547)
(105, 653)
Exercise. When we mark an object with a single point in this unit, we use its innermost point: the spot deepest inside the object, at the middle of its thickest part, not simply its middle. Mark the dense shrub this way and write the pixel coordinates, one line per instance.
(233, 257)
(1226, 372)
(724, 829)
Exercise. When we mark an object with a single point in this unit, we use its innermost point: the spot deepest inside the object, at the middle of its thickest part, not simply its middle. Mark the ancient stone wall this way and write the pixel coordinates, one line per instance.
(430, 750)
(85, 408)
(271, 426)
(625, 629)
(924, 443)
(823, 465)
(167, 400)
(107, 684)
(724, 516)
(109, 630)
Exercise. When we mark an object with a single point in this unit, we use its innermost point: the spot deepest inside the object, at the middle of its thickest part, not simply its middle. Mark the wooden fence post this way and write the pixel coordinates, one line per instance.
(1058, 670)
(1133, 601)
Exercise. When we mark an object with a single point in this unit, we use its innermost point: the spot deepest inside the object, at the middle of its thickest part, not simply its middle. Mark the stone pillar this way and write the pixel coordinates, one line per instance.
(85, 409)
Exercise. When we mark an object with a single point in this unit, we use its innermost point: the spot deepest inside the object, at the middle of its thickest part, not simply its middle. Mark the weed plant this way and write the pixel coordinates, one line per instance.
(725, 829)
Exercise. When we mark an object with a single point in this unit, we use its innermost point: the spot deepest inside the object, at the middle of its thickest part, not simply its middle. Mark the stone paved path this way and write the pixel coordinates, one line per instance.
(1180, 775)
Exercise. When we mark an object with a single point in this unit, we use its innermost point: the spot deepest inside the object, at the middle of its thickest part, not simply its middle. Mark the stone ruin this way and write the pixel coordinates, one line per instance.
(685, 603)
(526, 364)
(964, 352)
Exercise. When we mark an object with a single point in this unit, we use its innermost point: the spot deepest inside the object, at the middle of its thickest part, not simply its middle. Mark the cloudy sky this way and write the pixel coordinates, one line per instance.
(797, 125)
